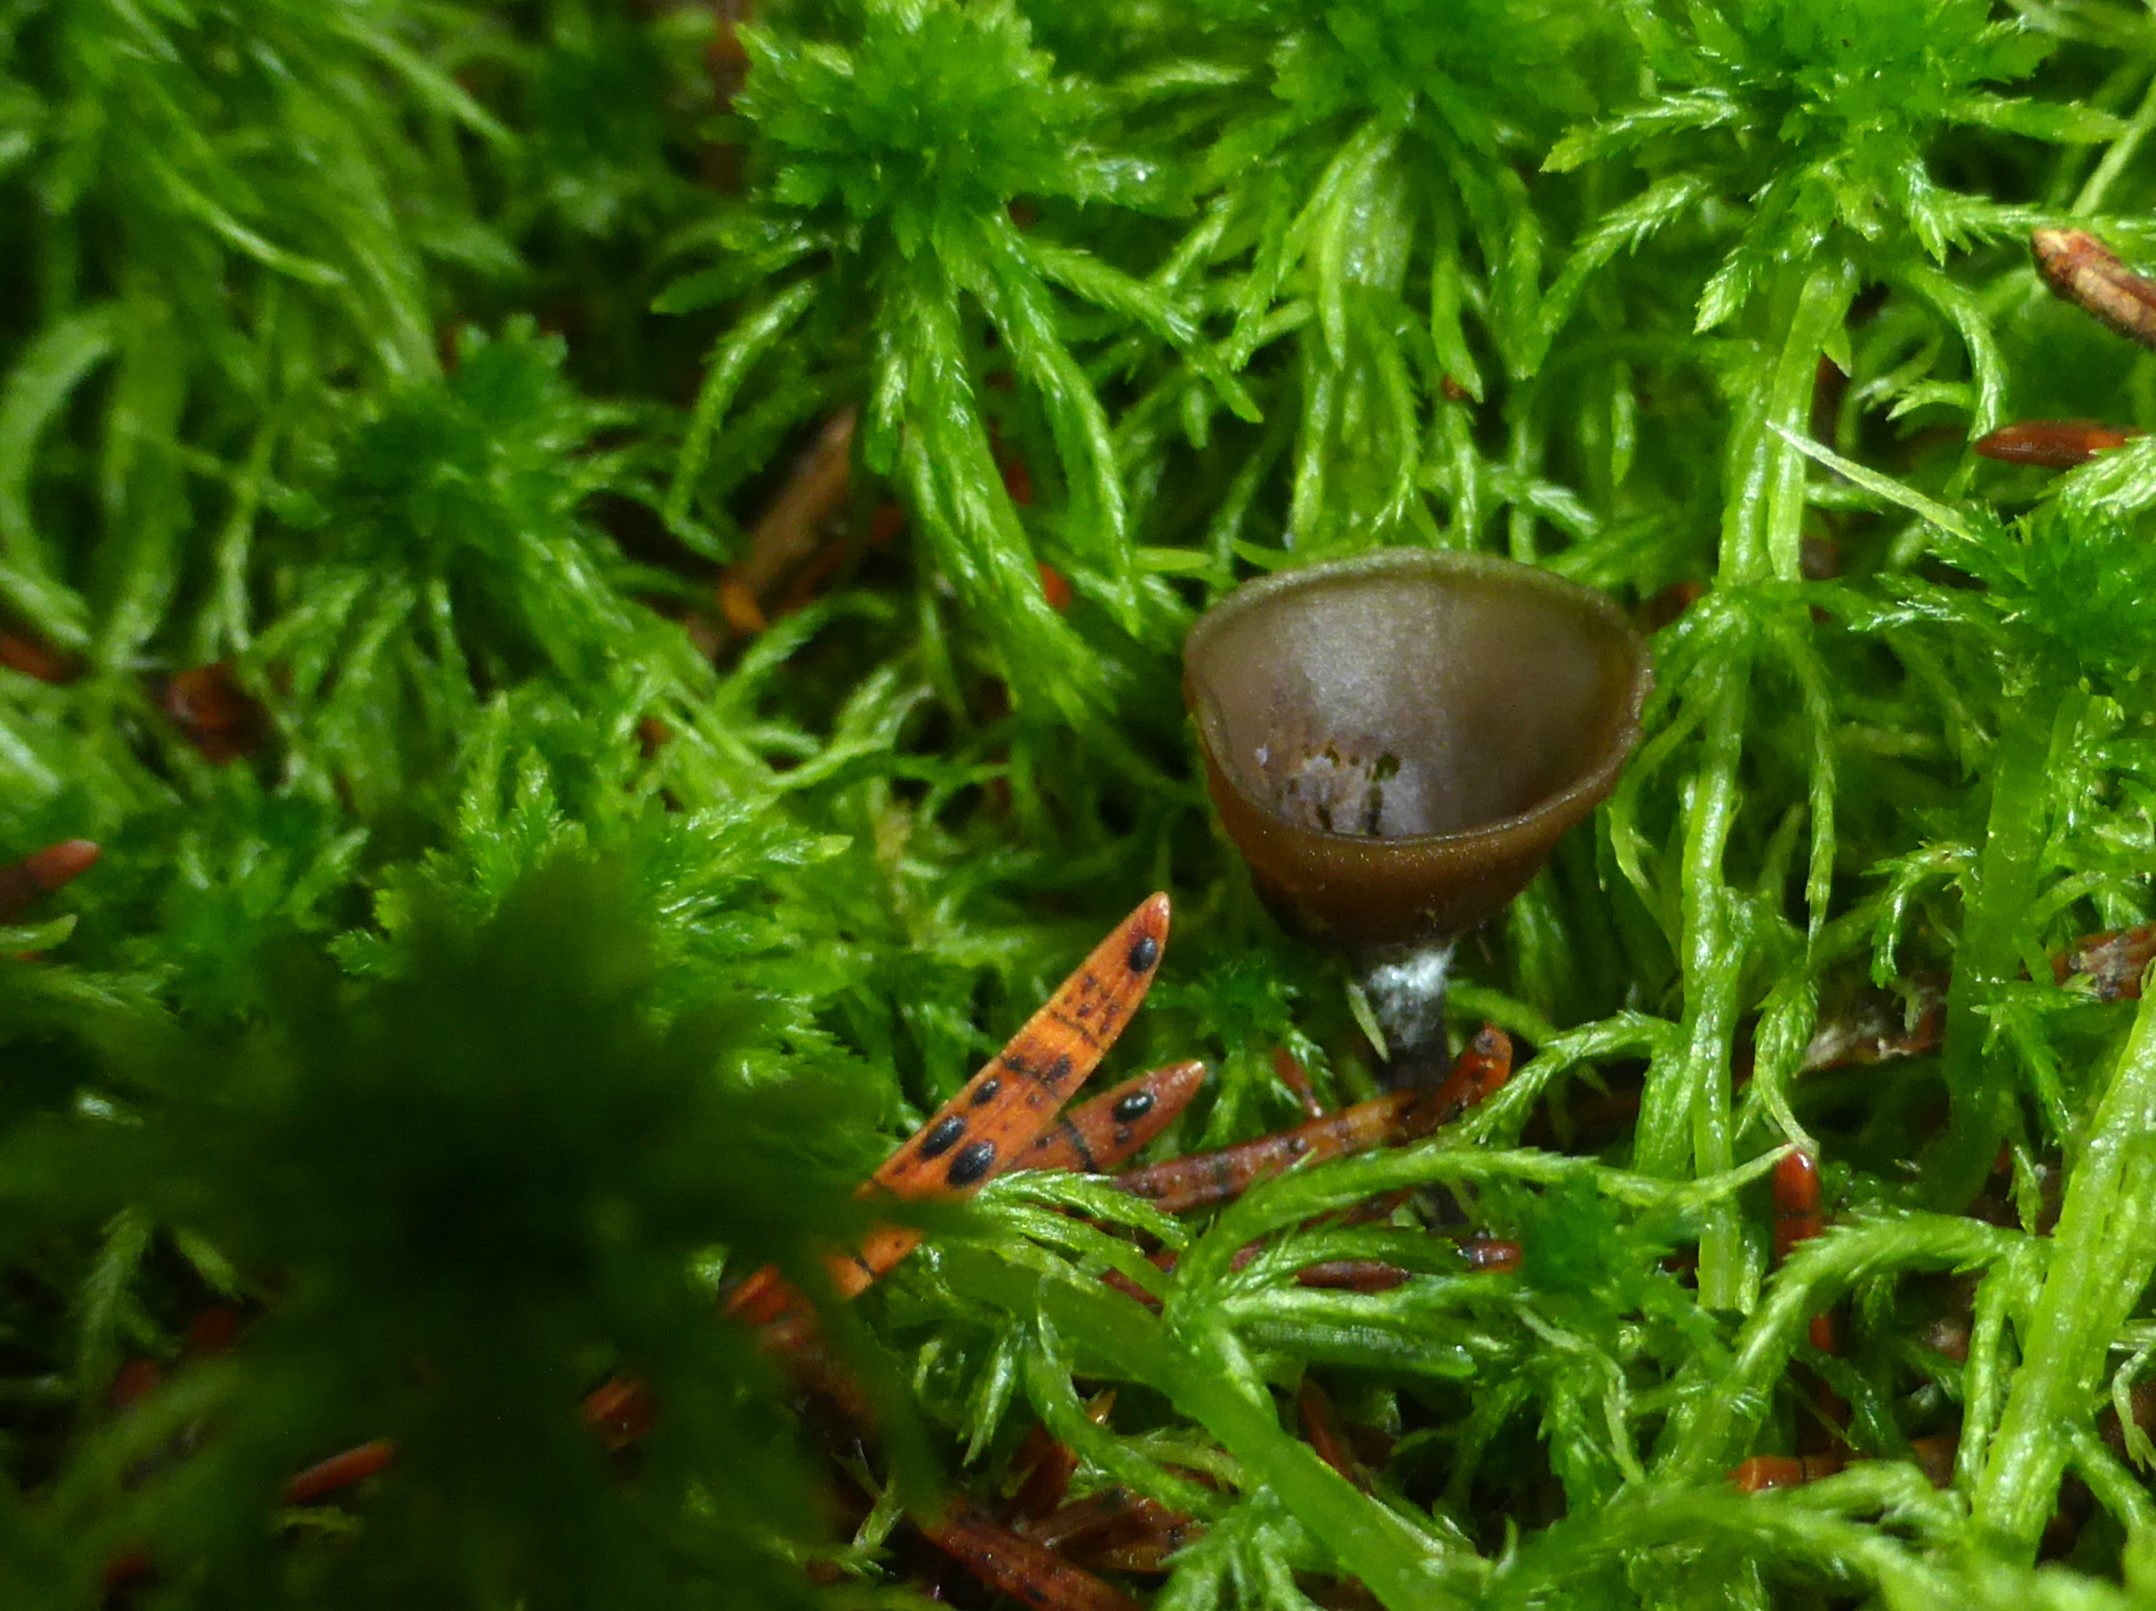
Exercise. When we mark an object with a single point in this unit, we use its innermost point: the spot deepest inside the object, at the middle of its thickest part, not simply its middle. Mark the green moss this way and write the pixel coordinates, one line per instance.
(507, 968)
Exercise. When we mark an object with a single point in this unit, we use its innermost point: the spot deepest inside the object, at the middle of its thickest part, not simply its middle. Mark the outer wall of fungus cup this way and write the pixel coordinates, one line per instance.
(1365, 890)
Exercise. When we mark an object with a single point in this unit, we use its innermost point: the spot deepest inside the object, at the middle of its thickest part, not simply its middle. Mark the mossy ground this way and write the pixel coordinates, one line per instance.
(480, 964)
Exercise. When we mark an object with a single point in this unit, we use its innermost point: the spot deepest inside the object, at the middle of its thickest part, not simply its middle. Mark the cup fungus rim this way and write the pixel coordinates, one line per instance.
(1588, 788)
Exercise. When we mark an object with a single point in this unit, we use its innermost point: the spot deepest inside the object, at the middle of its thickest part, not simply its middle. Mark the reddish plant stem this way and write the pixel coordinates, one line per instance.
(1117, 1531)
(219, 717)
(1291, 1074)
(1052, 1466)
(1353, 1275)
(789, 531)
(325, 1477)
(1797, 1219)
(1321, 1430)
(1021, 1567)
(1764, 1471)
(1933, 1454)
(620, 1413)
(2055, 444)
(1200, 1179)
(1492, 1255)
(33, 659)
(41, 872)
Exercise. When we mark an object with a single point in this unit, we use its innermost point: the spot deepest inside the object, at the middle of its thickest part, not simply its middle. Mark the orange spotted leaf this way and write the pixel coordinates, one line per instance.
(1098, 1135)
(1001, 1111)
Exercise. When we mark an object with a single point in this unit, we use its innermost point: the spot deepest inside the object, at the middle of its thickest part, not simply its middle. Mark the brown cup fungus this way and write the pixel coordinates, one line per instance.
(1396, 742)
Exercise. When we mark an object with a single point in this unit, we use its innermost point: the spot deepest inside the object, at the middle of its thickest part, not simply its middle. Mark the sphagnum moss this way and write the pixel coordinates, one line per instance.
(482, 973)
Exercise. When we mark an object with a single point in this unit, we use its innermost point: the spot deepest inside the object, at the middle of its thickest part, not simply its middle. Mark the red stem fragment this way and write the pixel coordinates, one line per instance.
(1484, 1255)
(1117, 1531)
(1796, 1202)
(1481, 1069)
(1292, 1076)
(41, 872)
(1798, 1218)
(1197, 1180)
(1049, 1467)
(2056, 444)
(1019, 1566)
(319, 1481)
(1492, 1255)
(1053, 1465)
(135, 1381)
(620, 1413)
(1321, 1430)
(33, 659)
(1055, 586)
(219, 717)
(1084, 1521)
(1353, 1275)
(1764, 1471)
(787, 533)
(1933, 1454)
(1200, 1179)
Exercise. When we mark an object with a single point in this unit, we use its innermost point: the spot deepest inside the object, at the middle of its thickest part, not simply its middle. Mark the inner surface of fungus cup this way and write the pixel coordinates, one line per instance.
(1396, 742)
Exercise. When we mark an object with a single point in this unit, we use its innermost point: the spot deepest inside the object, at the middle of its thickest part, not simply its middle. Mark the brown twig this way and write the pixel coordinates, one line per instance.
(790, 530)
(2084, 271)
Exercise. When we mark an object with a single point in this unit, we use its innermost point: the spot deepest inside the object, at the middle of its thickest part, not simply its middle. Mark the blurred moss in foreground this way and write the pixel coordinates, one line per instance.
(467, 1195)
